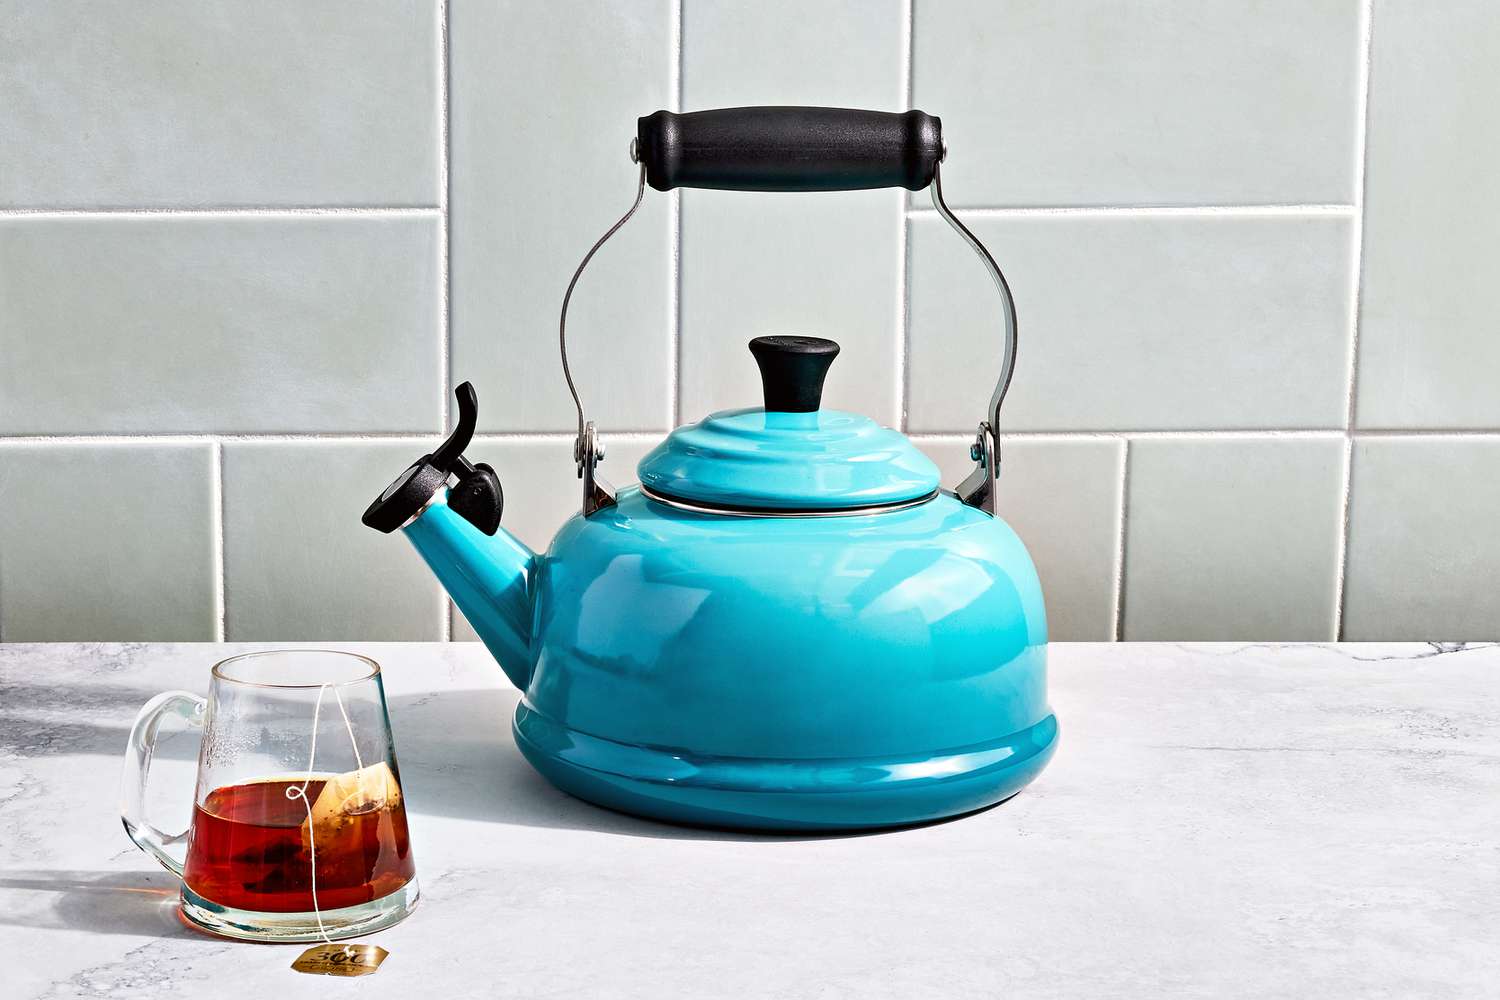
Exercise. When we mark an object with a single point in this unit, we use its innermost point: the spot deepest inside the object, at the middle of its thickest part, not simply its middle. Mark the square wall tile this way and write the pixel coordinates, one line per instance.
(1135, 323)
(1233, 539)
(219, 103)
(203, 323)
(107, 542)
(542, 491)
(825, 265)
(1424, 540)
(1063, 498)
(820, 53)
(819, 265)
(1428, 354)
(299, 565)
(1096, 102)
(544, 103)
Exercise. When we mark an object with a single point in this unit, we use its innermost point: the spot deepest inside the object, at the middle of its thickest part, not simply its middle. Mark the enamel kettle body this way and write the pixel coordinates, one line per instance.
(786, 625)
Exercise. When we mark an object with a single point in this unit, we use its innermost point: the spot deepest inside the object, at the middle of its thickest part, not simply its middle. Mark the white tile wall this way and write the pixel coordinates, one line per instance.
(1233, 538)
(544, 98)
(815, 265)
(1136, 322)
(279, 102)
(204, 323)
(1423, 544)
(247, 250)
(108, 541)
(1167, 102)
(1429, 356)
(293, 566)
(826, 265)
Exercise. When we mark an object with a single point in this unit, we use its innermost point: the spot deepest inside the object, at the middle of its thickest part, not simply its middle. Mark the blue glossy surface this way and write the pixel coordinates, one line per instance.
(489, 578)
(808, 673)
(823, 460)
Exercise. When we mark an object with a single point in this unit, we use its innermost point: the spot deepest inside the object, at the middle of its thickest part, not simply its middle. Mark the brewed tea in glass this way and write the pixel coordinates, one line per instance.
(299, 826)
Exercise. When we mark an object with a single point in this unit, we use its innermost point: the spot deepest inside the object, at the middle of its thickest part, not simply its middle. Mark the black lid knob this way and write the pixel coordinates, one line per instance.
(792, 370)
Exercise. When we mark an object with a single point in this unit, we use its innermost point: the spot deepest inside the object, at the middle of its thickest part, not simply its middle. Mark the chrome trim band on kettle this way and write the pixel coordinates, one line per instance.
(725, 511)
(798, 149)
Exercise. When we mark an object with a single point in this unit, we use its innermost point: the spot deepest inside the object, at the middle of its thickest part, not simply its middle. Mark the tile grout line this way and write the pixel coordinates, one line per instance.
(1341, 547)
(413, 437)
(1314, 433)
(420, 211)
(216, 519)
(445, 313)
(1144, 211)
(655, 434)
(674, 212)
(225, 212)
(903, 239)
(1356, 280)
(946, 436)
(1119, 622)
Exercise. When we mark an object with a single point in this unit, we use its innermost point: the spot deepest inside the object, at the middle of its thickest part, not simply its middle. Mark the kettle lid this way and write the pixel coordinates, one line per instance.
(790, 456)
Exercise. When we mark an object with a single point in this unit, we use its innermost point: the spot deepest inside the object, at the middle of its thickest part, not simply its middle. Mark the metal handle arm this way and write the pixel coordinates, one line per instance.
(977, 489)
(587, 451)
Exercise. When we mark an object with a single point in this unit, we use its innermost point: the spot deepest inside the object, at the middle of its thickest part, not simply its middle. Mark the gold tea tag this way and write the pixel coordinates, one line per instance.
(340, 959)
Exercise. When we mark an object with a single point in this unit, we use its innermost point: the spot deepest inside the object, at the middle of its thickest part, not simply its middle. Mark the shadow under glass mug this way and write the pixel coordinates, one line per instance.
(299, 826)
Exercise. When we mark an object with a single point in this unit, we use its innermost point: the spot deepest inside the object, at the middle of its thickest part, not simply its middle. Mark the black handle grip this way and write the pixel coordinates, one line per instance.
(790, 149)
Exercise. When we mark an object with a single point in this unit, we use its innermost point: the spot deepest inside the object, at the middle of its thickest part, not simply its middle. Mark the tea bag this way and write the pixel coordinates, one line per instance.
(342, 798)
(345, 796)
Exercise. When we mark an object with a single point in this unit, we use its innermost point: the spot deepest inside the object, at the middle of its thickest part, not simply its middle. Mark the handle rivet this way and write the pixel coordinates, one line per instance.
(635, 150)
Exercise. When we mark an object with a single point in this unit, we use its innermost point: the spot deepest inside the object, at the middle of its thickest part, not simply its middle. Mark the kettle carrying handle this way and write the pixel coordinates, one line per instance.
(789, 149)
(798, 149)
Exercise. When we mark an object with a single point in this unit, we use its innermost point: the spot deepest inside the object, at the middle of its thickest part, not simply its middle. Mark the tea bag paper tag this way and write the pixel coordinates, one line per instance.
(341, 960)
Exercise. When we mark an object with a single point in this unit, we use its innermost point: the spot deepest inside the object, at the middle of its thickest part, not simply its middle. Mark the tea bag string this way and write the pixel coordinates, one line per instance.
(301, 793)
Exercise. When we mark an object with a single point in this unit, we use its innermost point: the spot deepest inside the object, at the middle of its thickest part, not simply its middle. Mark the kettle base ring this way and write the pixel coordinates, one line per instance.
(779, 794)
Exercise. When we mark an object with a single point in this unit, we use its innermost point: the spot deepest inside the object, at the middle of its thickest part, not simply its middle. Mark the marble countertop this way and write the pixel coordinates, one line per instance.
(1220, 820)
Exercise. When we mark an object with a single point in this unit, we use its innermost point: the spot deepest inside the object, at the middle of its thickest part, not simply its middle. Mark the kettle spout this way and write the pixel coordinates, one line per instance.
(488, 577)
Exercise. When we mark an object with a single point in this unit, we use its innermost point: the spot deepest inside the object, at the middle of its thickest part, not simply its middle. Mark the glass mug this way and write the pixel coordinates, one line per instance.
(299, 824)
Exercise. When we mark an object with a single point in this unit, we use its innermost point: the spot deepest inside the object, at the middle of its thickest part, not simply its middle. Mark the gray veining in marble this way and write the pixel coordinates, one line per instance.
(1229, 821)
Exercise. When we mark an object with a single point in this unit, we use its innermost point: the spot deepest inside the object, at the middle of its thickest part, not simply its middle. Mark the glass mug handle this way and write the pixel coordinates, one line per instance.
(138, 752)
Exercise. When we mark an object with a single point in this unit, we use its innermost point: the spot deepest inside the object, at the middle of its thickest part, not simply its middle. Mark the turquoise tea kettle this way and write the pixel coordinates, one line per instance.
(788, 624)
